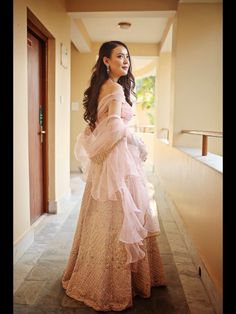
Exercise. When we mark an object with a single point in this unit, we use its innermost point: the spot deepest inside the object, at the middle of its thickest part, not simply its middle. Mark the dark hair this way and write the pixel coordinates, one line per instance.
(99, 76)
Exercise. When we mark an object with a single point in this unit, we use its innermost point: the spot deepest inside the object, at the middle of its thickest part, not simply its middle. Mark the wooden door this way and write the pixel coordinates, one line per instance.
(36, 121)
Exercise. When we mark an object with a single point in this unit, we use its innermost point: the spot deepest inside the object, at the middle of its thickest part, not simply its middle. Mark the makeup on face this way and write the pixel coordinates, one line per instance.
(120, 61)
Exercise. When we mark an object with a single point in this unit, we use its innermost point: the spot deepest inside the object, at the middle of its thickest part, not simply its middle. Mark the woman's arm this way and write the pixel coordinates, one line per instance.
(115, 111)
(133, 139)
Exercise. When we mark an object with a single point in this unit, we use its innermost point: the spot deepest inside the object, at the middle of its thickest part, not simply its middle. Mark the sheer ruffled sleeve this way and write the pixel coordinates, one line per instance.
(105, 137)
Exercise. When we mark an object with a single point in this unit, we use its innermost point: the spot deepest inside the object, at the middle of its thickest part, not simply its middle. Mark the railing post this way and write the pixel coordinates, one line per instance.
(204, 145)
(205, 135)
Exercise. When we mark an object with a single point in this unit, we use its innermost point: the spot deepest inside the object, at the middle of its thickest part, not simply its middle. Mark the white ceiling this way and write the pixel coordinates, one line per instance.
(105, 29)
(146, 27)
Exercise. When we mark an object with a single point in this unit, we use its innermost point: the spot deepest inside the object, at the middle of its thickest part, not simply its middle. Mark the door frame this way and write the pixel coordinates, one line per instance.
(31, 27)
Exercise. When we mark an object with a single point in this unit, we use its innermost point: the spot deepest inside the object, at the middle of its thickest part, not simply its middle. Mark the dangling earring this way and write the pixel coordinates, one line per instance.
(108, 69)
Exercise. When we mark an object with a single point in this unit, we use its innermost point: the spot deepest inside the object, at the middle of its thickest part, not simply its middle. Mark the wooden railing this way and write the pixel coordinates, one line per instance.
(205, 135)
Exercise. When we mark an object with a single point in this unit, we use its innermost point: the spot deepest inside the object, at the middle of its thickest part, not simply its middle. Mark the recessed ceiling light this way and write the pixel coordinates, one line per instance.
(124, 25)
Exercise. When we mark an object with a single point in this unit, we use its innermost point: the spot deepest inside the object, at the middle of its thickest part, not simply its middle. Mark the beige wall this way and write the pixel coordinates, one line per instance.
(135, 49)
(53, 16)
(198, 73)
(81, 66)
(163, 92)
(196, 190)
(21, 161)
(189, 83)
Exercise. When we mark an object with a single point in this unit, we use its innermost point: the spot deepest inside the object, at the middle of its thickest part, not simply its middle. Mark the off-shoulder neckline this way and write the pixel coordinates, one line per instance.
(109, 94)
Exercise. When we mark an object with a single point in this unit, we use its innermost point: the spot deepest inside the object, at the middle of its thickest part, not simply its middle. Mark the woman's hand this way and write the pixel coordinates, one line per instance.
(143, 152)
(139, 143)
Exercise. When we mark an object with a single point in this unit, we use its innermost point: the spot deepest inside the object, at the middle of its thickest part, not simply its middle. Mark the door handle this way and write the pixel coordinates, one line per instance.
(41, 133)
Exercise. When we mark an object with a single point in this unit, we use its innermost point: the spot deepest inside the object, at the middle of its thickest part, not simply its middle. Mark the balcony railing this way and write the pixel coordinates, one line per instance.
(205, 135)
(145, 128)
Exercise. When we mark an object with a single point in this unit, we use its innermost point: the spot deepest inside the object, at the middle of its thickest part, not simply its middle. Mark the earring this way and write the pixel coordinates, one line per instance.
(108, 69)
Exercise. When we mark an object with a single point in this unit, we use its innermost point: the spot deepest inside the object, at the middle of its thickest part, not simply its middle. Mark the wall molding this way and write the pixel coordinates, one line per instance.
(52, 207)
(27, 239)
(22, 245)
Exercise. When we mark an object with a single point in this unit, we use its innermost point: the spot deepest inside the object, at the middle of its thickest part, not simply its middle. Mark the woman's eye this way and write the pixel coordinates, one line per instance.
(121, 56)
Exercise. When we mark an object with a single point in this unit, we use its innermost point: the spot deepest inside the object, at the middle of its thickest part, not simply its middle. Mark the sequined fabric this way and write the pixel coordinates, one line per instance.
(96, 272)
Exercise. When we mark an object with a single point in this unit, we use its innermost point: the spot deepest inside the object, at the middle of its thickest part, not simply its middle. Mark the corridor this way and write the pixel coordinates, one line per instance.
(37, 274)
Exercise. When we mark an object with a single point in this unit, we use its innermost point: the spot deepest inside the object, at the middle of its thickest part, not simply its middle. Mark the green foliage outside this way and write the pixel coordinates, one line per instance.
(145, 90)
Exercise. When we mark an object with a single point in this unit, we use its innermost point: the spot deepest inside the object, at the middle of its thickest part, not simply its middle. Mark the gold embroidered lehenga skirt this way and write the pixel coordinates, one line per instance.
(97, 273)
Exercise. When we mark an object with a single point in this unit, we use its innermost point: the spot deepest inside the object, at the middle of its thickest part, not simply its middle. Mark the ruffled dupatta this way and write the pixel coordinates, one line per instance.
(111, 166)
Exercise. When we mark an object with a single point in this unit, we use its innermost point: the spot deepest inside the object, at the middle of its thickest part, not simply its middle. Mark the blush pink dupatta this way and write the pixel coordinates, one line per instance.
(110, 164)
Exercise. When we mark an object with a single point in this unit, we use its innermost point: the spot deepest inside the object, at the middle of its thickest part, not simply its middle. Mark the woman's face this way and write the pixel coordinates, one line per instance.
(118, 62)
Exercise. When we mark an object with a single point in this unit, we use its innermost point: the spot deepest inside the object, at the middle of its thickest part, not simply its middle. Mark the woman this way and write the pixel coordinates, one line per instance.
(114, 254)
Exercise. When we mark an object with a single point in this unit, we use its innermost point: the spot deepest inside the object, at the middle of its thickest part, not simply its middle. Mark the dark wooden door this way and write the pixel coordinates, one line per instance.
(36, 110)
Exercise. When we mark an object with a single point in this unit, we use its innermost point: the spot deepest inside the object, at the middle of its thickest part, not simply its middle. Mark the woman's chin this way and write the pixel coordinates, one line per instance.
(124, 73)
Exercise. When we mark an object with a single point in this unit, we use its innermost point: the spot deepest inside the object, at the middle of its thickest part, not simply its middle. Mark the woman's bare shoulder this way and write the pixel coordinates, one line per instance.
(108, 88)
(115, 87)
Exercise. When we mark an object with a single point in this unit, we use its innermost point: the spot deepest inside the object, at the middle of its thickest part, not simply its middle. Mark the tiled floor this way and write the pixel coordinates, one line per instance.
(37, 275)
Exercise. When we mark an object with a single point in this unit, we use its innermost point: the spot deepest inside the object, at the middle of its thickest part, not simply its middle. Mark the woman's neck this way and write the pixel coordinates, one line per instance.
(114, 79)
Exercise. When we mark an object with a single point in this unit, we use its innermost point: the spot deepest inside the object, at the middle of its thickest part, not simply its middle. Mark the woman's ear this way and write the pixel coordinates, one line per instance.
(105, 60)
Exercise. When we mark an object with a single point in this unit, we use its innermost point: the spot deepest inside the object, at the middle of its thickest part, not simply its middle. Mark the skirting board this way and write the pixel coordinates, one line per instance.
(27, 239)
(23, 244)
(52, 207)
(55, 207)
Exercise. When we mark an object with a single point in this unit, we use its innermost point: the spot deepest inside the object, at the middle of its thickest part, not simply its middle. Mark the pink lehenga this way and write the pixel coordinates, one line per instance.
(115, 254)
